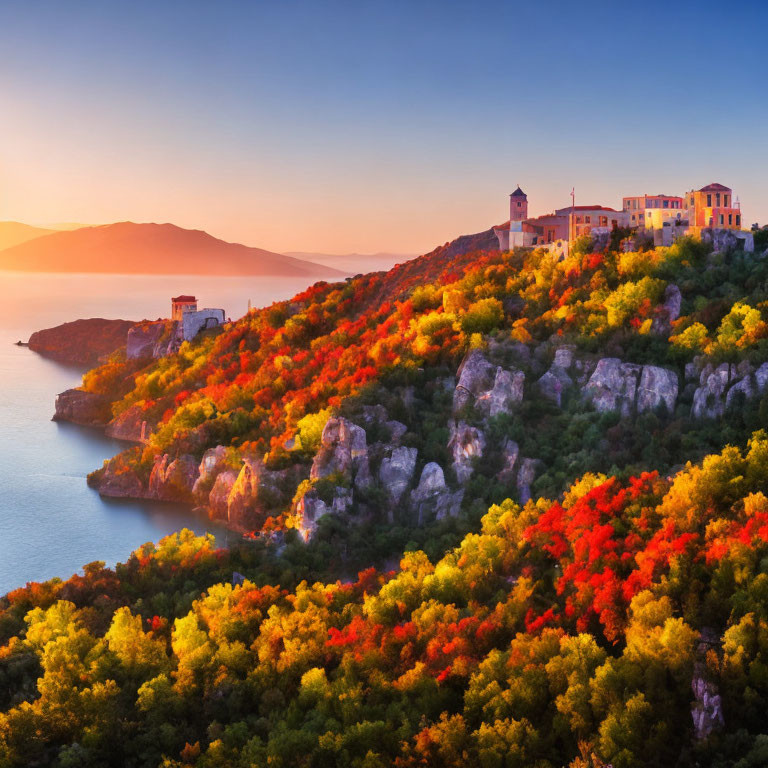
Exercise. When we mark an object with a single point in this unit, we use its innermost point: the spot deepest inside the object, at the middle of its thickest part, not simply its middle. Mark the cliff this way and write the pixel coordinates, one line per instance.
(81, 342)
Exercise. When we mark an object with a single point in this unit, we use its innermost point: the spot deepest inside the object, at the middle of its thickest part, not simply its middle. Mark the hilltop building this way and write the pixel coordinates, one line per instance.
(652, 210)
(182, 304)
(557, 229)
(192, 320)
(711, 213)
(713, 206)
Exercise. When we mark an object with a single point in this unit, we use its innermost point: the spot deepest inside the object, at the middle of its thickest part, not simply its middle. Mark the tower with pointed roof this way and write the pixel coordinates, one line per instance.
(518, 205)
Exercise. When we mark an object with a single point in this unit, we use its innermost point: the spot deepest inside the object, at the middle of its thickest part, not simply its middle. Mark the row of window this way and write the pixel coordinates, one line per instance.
(721, 220)
(653, 202)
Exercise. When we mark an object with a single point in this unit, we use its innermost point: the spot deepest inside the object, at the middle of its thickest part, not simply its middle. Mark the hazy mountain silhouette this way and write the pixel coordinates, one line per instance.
(158, 249)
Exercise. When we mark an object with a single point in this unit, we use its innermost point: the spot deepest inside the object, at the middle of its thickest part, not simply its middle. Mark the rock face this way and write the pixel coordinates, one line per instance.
(153, 340)
(211, 465)
(525, 476)
(728, 239)
(113, 481)
(343, 454)
(396, 473)
(173, 479)
(709, 398)
(432, 499)
(507, 390)
(511, 452)
(724, 387)
(343, 450)
(218, 498)
(618, 386)
(657, 386)
(85, 408)
(130, 425)
(493, 389)
(311, 508)
(556, 380)
(613, 385)
(466, 444)
(707, 706)
(476, 376)
(255, 493)
(82, 342)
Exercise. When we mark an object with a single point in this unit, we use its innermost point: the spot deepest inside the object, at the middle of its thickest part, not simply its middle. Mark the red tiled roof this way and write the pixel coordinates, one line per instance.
(715, 187)
(184, 298)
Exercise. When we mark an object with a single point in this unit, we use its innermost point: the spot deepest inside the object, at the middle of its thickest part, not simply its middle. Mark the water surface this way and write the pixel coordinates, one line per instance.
(51, 523)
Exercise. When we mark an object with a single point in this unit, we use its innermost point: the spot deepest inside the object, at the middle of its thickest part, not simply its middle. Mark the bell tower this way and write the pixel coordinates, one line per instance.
(518, 205)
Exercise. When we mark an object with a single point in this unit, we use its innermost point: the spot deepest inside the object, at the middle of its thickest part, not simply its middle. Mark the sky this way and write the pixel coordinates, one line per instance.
(368, 126)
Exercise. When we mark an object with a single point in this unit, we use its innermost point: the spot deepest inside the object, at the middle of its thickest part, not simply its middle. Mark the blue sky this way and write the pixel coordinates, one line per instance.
(364, 126)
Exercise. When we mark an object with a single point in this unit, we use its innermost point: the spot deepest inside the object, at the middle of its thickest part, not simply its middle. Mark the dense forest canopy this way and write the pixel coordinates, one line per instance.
(619, 616)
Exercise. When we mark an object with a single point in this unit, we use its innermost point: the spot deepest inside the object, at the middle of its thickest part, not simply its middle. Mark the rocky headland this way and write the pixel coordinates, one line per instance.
(81, 342)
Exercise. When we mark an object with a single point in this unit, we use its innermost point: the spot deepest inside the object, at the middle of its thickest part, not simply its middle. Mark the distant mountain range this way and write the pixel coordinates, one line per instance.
(14, 233)
(159, 249)
(354, 263)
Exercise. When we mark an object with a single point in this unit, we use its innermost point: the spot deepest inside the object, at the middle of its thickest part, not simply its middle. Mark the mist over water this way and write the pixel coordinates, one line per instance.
(51, 523)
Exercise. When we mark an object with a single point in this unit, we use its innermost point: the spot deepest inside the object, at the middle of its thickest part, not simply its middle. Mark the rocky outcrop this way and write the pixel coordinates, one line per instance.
(152, 339)
(217, 501)
(81, 342)
(476, 376)
(707, 706)
(173, 479)
(310, 508)
(525, 476)
(116, 481)
(396, 472)
(613, 386)
(657, 386)
(211, 465)
(256, 493)
(723, 240)
(709, 398)
(432, 499)
(85, 408)
(725, 386)
(556, 380)
(343, 451)
(626, 387)
(507, 390)
(491, 388)
(510, 452)
(130, 425)
(466, 445)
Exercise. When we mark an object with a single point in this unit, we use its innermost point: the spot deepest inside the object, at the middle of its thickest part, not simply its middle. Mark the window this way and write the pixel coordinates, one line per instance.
(730, 219)
(666, 203)
(722, 220)
(587, 219)
(709, 201)
(725, 200)
(717, 199)
(738, 220)
(519, 205)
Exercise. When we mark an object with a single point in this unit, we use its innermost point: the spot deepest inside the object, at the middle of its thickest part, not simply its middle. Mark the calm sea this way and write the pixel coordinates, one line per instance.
(51, 523)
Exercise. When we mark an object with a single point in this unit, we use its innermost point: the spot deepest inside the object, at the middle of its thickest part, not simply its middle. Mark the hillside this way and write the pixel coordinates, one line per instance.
(14, 233)
(129, 248)
(81, 342)
(354, 263)
(551, 476)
